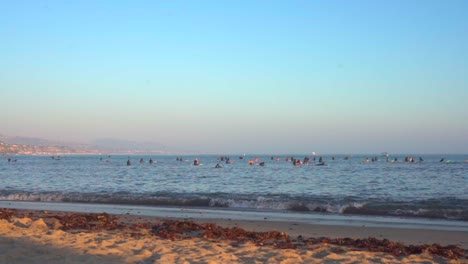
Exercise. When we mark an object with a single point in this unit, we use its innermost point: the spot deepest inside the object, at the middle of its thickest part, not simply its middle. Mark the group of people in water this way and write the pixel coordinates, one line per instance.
(294, 161)
(307, 160)
(256, 161)
(151, 161)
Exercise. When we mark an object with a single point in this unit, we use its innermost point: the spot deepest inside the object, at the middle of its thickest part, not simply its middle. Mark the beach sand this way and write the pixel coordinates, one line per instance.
(45, 237)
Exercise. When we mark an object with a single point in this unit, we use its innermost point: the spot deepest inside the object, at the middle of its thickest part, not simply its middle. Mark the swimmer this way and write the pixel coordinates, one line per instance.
(129, 163)
(218, 166)
(196, 162)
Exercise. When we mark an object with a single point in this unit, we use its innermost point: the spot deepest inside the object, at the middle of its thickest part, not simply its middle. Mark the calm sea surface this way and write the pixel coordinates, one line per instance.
(428, 189)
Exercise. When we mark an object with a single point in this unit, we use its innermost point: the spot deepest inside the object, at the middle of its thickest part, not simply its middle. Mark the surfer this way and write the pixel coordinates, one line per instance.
(151, 161)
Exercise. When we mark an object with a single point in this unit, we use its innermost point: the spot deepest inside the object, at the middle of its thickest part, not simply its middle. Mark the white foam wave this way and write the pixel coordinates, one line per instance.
(33, 197)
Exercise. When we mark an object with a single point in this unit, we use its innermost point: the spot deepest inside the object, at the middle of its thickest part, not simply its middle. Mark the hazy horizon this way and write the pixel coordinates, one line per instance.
(120, 145)
(239, 77)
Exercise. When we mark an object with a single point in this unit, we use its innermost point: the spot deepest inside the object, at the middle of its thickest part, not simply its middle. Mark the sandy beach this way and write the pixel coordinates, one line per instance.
(33, 236)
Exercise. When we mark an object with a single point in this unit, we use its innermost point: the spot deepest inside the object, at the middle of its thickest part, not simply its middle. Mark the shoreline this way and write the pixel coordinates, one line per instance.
(404, 230)
(52, 236)
(245, 214)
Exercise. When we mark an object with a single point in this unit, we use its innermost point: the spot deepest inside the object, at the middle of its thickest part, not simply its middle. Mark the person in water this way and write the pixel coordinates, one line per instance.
(196, 162)
(129, 163)
(218, 166)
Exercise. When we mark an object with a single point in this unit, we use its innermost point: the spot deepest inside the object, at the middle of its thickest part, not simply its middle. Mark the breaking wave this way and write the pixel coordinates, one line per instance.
(445, 208)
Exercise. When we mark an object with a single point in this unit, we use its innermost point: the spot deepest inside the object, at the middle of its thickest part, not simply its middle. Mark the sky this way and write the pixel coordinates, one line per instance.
(239, 76)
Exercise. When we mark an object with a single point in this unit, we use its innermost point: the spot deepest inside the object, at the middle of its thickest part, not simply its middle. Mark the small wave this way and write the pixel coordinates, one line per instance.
(120, 198)
(426, 209)
(39, 197)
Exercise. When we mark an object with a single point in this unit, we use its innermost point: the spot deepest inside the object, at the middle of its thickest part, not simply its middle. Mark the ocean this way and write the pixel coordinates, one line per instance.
(344, 185)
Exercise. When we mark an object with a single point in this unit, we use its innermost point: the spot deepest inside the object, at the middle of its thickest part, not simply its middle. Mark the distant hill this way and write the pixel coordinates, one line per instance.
(25, 141)
(13, 145)
(42, 149)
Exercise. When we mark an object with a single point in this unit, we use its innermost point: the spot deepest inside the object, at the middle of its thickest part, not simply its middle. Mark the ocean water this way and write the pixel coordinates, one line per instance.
(427, 189)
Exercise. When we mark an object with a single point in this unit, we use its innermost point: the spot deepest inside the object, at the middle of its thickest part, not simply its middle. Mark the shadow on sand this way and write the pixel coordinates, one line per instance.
(22, 251)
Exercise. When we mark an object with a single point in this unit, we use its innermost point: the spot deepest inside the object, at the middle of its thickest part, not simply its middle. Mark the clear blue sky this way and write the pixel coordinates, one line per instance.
(239, 76)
